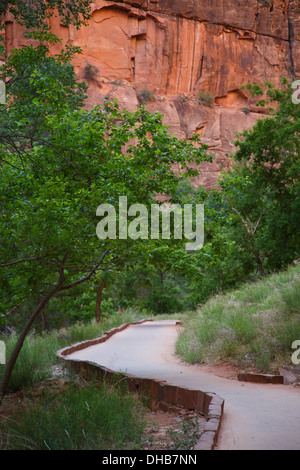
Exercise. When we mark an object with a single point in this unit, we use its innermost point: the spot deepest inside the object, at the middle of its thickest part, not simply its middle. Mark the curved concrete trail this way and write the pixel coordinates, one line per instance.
(256, 416)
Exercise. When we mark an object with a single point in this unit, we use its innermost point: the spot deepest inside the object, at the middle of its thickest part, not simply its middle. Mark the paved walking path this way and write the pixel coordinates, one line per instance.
(256, 416)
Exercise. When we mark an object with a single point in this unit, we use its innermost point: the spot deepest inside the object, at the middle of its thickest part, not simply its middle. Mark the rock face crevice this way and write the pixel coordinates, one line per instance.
(177, 49)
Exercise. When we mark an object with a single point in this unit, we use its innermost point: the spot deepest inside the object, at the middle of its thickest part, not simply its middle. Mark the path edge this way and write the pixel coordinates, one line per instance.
(208, 404)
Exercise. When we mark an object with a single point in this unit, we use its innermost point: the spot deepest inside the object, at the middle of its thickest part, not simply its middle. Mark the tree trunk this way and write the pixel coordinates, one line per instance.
(44, 321)
(23, 334)
(43, 302)
(260, 266)
(99, 300)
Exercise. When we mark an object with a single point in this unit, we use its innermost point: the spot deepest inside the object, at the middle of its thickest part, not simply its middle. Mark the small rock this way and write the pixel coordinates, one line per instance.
(290, 374)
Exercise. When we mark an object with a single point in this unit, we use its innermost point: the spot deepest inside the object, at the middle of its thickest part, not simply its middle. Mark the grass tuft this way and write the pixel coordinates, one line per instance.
(89, 417)
(253, 326)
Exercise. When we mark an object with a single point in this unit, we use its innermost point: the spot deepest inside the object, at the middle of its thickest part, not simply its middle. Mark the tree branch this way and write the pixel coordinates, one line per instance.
(88, 276)
(11, 263)
(62, 269)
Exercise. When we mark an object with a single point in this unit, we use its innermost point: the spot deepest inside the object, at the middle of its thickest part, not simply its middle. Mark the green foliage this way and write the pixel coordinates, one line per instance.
(34, 14)
(35, 360)
(186, 436)
(252, 224)
(62, 163)
(90, 72)
(145, 95)
(37, 86)
(263, 190)
(38, 355)
(59, 162)
(80, 417)
(205, 98)
(253, 326)
(164, 299)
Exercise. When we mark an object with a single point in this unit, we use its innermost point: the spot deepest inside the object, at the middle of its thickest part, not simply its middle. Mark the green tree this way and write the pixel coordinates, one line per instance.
(30, 74)
(263, 189)
(54, 177)
(35, 13)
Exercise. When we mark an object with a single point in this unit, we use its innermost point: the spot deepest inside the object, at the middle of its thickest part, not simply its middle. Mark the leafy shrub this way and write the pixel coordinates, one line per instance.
(164, 300)
(90, 72)
(205, 98)
(246, 110)
(145, 95)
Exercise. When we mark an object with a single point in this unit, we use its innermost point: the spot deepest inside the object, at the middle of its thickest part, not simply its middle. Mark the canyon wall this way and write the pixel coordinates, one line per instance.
(186, 59)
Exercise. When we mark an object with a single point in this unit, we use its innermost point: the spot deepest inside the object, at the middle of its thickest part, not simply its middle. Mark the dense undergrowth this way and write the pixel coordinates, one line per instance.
(77, 417)
(38, 354)
(48, 408)
(60, 267)
(253, 326)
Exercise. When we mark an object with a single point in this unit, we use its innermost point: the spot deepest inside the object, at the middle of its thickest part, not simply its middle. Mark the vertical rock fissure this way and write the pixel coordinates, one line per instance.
(291, 39)
(190, 88)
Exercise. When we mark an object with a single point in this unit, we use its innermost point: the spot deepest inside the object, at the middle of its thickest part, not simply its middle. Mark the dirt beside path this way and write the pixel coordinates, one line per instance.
(171, 430)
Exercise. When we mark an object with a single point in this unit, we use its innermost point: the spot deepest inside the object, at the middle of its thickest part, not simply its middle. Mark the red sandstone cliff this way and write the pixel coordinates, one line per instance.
(169, 51)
